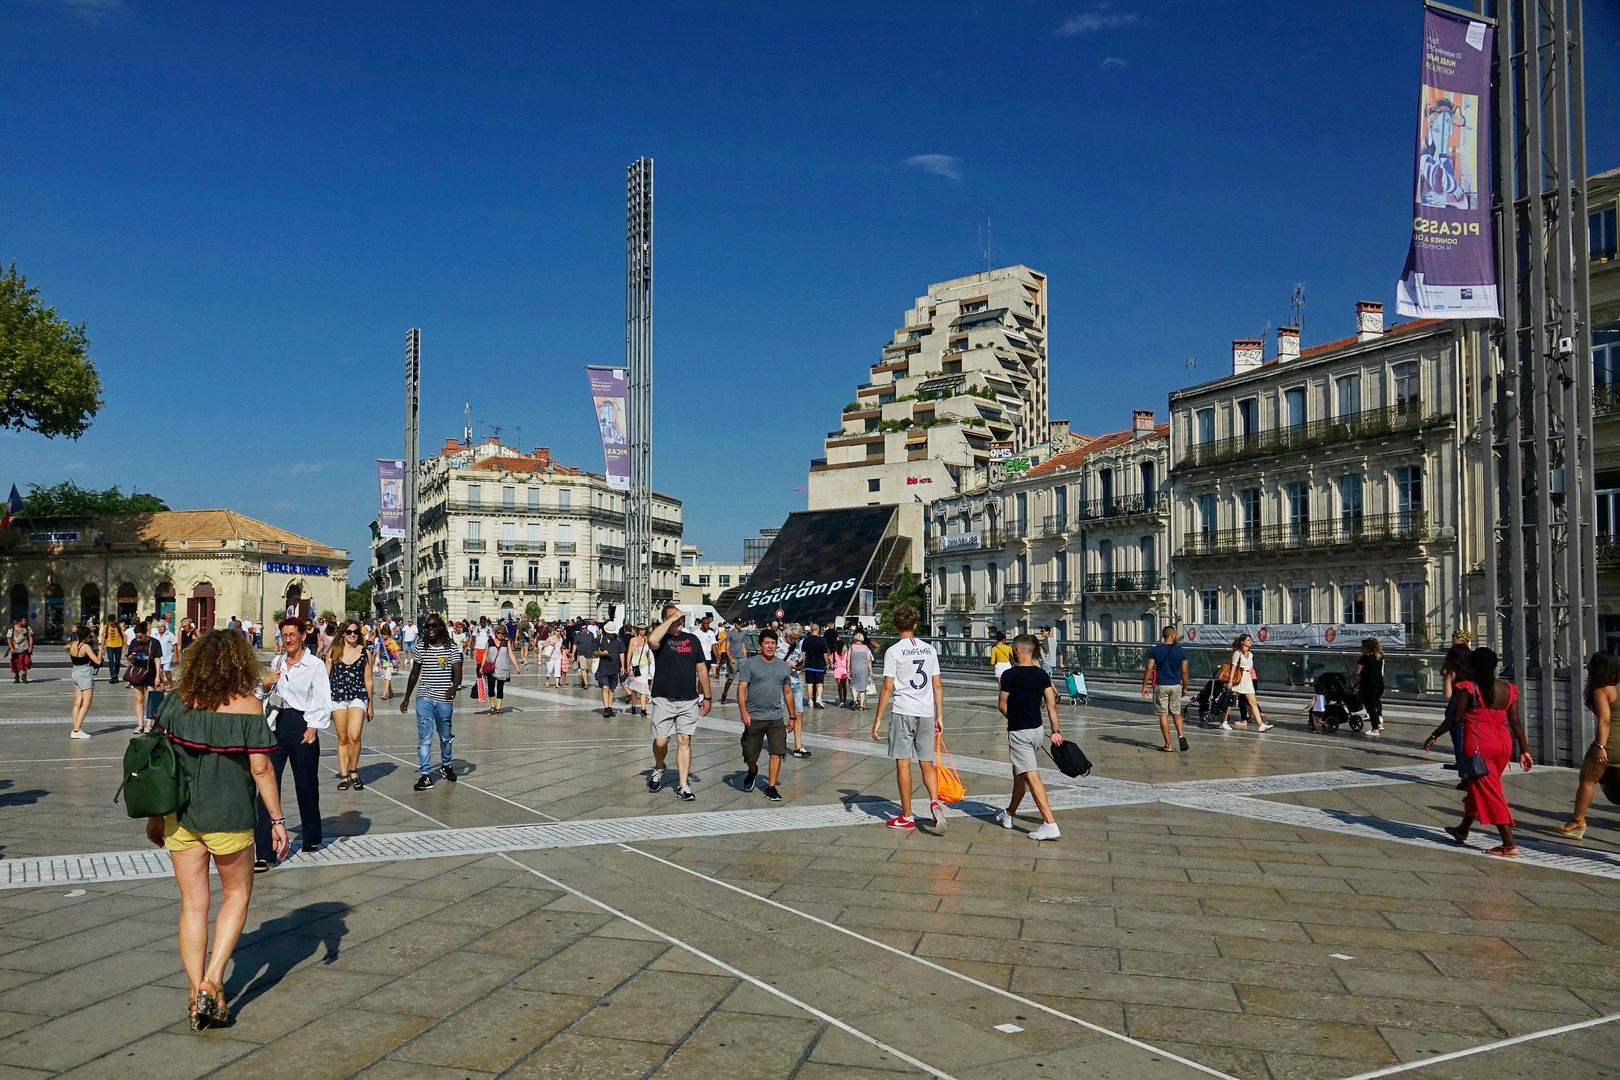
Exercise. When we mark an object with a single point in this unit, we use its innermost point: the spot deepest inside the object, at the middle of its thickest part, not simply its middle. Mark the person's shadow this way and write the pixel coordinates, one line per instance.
(265, 957)
(871, 805)
(19, 798)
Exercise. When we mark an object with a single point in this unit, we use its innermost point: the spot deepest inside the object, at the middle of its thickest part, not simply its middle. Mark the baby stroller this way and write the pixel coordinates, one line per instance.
(1074, 685)
(1343, 703)
(1212, 702)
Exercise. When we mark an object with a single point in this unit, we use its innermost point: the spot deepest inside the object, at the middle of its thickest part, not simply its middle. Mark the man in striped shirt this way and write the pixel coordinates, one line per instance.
(437, 666)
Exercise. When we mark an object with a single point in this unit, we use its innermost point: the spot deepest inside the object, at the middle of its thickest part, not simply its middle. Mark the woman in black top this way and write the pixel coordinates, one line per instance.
(349, 669)
(1370, 672)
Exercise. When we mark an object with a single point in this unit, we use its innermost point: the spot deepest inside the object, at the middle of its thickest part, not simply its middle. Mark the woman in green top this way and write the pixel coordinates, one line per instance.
(221, 740)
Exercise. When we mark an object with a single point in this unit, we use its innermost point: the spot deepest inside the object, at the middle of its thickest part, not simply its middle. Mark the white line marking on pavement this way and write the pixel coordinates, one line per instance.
(1486, 1048)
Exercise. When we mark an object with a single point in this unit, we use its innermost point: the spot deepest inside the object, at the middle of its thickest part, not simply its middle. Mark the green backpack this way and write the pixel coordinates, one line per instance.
(153, 783)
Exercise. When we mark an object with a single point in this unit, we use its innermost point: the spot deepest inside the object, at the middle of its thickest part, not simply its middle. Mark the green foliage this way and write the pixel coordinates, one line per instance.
(48, 383)
(533, 610)
(894, 425)
(853, 406)
(68, 499)
(907, 590)
(357, 600)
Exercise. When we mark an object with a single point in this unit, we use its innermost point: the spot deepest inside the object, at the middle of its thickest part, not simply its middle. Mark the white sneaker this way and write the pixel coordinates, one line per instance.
(1225, 726)
(938, 811)
(1265, 727)
(1045, 832)
(82, 734)
(1004, 819)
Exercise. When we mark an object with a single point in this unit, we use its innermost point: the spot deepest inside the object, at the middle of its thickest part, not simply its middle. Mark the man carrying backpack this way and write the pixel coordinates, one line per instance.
(1025, 689)
(112, 643)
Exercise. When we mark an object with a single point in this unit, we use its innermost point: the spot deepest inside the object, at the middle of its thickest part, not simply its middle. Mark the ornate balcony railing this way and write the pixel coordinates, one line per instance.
(609, 551)
(1608, 552)
(1122, 506)
(528, 547)
(1056, 591)
(1605, 400)
(472, 545)
(1366, 529)
(1407, 416)
(1015, 594)
(1055, 524)
(1136, 582)
(962, 601)
(566, 547)
(1017, 530)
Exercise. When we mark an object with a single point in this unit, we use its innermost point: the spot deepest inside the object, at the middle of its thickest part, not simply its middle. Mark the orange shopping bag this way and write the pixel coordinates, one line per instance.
(950, 784)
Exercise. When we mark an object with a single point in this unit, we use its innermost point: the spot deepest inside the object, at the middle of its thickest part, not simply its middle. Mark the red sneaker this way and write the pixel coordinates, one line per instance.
(901, 822)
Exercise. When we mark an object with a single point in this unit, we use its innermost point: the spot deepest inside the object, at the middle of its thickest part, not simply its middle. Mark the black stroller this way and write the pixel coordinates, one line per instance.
(1343, 703)
(1212, 702)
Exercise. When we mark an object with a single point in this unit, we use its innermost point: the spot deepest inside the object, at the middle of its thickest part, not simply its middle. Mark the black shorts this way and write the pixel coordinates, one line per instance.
(760, 732)
(607, 682)
(813, 677)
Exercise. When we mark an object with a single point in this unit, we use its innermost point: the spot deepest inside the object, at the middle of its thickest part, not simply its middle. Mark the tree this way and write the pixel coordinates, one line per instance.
(907, 590)
(533, 610)
(68, 499)
(357, 599)
(48, 383)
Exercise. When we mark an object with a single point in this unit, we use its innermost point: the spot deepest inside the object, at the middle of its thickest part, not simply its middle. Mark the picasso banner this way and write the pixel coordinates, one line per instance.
(391, 498)
(609, 394)
(1451, 265)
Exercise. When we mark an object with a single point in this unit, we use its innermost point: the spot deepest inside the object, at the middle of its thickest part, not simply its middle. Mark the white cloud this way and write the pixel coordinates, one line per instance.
(1095, 21)
(938, 164)
(1113, 63)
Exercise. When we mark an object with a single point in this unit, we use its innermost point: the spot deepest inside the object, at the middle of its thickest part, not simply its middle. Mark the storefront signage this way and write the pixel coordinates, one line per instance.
(919, 479)
(1298, 635)
(53, 537)
(961, 542)
(302, 569)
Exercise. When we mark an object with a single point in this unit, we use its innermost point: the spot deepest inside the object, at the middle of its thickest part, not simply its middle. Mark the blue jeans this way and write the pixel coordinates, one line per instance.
(432, 714)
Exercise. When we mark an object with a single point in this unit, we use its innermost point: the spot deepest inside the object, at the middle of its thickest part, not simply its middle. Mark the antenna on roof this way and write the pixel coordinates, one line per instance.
(1299, 306)
(1192, 362)
(466, 424)
(987, 263)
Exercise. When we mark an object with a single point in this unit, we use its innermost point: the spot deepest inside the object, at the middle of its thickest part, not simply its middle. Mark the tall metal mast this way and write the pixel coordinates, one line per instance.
(638, 355)
(413, 433)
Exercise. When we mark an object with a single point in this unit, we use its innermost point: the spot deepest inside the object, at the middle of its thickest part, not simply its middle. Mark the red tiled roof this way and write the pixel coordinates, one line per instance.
(524, 464)
(1317, 350)
(1070, 458)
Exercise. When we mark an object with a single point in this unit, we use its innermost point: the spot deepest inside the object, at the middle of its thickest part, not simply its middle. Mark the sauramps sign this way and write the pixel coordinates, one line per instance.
(814, 569)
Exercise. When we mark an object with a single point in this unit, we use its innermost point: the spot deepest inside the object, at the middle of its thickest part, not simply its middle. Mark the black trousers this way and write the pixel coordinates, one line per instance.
(115, 660)
(305, 758)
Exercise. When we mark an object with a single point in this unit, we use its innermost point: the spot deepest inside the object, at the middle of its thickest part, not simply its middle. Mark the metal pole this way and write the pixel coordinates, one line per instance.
(638, 351)
(413, 431)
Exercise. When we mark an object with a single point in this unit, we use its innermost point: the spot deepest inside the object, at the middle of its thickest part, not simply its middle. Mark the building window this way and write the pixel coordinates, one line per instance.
(686, 579)
(1600, 233)
(1209, 605)
(1409, 490)
(1606, 364)
(1253, 608)
(508, 498)
(534, 573)
(565, 574)
(1607, 517)
(1299, 603)
(508, 534)
(1248, 417)
(475, 495)
(565, 499)
(1294, 406)
(474, 573)
(1206, 514)
(1354, 610)
(1404, 376)
(1204, 424)
(1414, 611)
(562, 612)
(1299, 506)
(1105, 558)
(1249, 509)
(725, 581)
(703, 579)
(1350, 507)
(1022, 503)
(874, 485)
(742, 579)
(534, 498)
(508, 571)
(475, 531)
(532, 536)
(1347, 389)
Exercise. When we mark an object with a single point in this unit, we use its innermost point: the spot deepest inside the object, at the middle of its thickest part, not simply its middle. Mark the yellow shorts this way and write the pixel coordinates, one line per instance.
(176, 837)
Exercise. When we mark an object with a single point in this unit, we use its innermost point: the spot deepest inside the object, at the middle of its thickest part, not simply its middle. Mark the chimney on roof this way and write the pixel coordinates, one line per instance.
(450, 447)
(1247, 354)
(1141, 423)
(1057, 435)
(1369, 320)
(1287, 344)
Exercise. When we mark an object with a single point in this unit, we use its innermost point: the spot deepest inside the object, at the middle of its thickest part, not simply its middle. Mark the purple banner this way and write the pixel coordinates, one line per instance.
(609, 396)
(391, 498)
(1451, 266)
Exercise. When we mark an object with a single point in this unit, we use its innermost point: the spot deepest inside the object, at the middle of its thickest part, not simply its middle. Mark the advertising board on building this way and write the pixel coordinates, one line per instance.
(609, 397)
(1297, 635)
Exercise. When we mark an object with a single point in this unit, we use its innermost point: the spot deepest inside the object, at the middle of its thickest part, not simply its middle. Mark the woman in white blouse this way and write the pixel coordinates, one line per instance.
(1241, 682)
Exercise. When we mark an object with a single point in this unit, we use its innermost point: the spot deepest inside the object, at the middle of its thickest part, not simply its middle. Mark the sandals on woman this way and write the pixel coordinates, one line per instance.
(1503, 851)
(1572, 831)
(343, 783)
(207, 1006)
(356, 783)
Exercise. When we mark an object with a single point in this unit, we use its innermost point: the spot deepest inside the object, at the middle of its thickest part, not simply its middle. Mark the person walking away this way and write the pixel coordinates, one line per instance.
(112, 645)
(1025, 689)
(1488, 709)
(436, 664)
(1166, 679)
(860, 670)
(353, 692)
(585, 646)
(1242, 684)
(85, 655)
(1370, 673)
(814, 670)
(1455, 666)
(735, 647)
(222, 749)
(141, 673)
(170, 647)
(1001, 655)
(306, 710)
(1603, 756)
(610, 665)
(680, 694)
(911, 682)
(503, 665)
(1050, 652)
(764, 698)
(639, 682)
(20, 644)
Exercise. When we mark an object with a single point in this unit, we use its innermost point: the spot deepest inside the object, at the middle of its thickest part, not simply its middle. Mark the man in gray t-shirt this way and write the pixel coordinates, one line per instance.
(765, 701)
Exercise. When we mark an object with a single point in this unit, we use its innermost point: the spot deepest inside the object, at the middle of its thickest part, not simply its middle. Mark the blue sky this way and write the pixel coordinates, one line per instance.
(249, 205)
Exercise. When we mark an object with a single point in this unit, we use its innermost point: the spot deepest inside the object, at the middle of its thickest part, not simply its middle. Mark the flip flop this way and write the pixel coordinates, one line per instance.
(1165, 750)
(1503, 852)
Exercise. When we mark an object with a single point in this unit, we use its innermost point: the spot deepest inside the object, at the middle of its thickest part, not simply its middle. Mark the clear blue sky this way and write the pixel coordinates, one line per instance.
(250, 204)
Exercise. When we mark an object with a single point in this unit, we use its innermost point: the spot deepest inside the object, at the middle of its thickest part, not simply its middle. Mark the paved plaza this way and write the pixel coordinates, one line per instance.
(1275, 905)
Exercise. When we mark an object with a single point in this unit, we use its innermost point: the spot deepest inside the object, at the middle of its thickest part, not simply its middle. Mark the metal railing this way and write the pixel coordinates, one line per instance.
(472, 545)
(473, 582)
(1605, 400)
(663, 559)
(1608, 552)
(1398, 528)
(1056, 591)
(1016, 530)
(1122, 506)
(1015, 594)
(566, 547)
(962, 601)
(609, 551)
(1139, 581)
(530, 547)
(1055, 524)
(610, 588)
(1407, 416)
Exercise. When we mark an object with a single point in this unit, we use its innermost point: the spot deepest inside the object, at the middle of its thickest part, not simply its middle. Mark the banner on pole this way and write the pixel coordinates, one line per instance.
(391, 498)
(609, 397)
(1451, 264)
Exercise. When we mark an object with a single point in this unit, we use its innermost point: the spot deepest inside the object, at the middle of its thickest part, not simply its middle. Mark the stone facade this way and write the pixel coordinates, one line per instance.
(1603, 207)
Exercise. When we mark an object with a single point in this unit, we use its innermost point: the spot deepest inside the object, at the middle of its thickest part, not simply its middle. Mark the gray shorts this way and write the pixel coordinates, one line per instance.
(1021, 744)
(1167, 699)
(84, 677)
(670, 717)
(911, 738)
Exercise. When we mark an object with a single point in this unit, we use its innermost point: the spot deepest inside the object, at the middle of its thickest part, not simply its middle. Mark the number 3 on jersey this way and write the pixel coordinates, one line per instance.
(922, 676)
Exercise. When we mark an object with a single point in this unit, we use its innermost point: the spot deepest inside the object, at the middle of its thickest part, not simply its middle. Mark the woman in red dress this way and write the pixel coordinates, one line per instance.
(1488, 711)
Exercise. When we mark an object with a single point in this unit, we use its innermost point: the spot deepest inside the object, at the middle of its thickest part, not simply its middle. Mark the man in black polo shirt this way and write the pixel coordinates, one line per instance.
(814, 648)
(680, 694)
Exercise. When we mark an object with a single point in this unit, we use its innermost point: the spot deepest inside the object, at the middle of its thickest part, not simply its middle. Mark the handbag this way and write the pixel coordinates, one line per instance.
(949, 780)
(1473, 766)
(153, 785)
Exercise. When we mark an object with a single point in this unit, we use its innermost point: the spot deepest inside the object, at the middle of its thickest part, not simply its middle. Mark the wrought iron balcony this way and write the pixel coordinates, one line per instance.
(530, 547)
(1055, 524)
(1017, 530)
(1363, 530)
(1122, 506)
(663, 559)
(1605, 400)
(1139, 582)
(962, 601)
(1056, 591)
(473, 581)
(566, 547)
(1015, 594)
(610, 588)
(1608, 552)
(982, 540)
(472, 545)
(609, 551)
(538, 584)
(1369, 423)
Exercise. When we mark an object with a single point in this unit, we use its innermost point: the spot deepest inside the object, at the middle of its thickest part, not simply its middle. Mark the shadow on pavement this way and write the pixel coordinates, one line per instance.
(20, 798)
(274, 952)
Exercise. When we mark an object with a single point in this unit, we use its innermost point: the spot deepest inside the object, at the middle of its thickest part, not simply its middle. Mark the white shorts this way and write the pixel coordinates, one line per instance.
(1001, 669)
(357, 703)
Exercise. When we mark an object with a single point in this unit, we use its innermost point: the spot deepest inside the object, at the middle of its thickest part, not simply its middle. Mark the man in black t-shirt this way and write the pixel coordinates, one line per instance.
(610, 653)
(585, 647)
(1025, 688)
(814, 648)
(680, 694)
